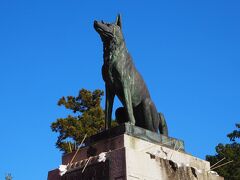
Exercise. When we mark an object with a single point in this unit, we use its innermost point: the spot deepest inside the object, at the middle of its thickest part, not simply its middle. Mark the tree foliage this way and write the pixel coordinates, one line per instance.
(231, 152)
(87, 117)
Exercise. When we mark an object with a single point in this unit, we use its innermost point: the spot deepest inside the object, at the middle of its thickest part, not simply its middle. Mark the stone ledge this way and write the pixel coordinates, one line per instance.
(137, 132)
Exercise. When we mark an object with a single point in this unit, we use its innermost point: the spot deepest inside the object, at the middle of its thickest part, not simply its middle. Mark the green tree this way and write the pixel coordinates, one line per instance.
(228, 152)
(87, 117)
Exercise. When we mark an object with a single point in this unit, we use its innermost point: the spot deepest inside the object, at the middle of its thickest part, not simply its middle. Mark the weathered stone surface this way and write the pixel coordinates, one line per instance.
(143, 149)
(150, 166)
(131, 158)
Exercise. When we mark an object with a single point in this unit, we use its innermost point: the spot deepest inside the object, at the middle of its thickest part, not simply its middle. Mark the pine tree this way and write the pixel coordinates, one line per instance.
(87, 117)
(228, 152)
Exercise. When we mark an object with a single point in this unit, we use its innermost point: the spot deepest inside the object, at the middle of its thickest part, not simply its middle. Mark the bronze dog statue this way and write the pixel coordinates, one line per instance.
(122, 79)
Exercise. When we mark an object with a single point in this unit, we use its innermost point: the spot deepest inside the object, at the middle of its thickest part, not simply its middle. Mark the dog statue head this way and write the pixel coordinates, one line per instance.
(110, 32)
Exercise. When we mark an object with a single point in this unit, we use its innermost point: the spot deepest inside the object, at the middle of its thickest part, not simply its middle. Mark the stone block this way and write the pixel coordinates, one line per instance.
(132, 153)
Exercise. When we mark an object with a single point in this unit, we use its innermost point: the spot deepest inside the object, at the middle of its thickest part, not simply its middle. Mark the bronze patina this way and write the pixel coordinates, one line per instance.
(123, 80)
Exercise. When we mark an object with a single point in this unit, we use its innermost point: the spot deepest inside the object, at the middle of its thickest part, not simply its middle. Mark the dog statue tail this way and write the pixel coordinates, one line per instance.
(163, 129)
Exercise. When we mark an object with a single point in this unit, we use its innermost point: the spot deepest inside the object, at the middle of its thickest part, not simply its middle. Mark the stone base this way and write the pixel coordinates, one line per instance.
(124, 156)
(137, 132)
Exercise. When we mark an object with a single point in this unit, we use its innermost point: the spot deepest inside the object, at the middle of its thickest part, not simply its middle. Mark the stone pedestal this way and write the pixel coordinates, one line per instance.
(131, 153)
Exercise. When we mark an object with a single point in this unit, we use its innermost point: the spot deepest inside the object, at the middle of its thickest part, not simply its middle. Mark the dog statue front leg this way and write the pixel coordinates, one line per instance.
(108, 107)
(128, 105)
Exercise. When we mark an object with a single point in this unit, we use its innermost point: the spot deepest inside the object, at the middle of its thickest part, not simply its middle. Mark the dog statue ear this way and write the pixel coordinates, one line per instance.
(119, 21)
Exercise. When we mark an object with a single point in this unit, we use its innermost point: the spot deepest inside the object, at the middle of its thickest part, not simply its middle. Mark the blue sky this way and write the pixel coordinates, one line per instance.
(187, 51)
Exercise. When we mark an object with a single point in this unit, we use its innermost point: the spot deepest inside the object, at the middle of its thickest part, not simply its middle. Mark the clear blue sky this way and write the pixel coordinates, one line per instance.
(187, 51)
